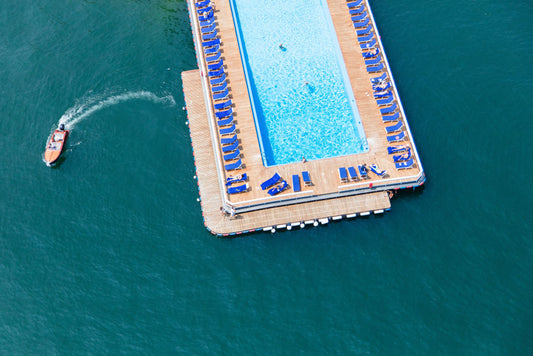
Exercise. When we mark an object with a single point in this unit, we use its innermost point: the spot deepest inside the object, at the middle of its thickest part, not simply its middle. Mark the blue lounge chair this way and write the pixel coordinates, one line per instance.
(238, 189)
(306, 178)
(206, 15)
(225, 104)
(226, 121)
(232, 155)
(363, 171)
(368, 44)
(402, 157)
(380, 173)
(368, 55)
(212, 49)
(354, 4)
(216, 65)
(379, 79)
(227, 130)
(404, 165)
(235, 179)
(278, 188)
(394, 128)
(213, 58)
(214, 42)
(207, 22)
(209, 36)
(223, 114)
(386, 100)
(271, 181)
(375, 69)
(343, 175)
(362, 24)
(205, 9)
(296, 183)
(216, 73)
(219, 80)
(382, 86)
(202, 3)
(219, 96)
(228, 140)
(395, 138)
(357, 10)
(373, 61)
(352, 173)
(235, 165)
(396, 149)
(389, 110)
(360, 17)
(219, 88)
(231, 147)
(209, 29)
(364, 31)
(366, 38)
(390, 118)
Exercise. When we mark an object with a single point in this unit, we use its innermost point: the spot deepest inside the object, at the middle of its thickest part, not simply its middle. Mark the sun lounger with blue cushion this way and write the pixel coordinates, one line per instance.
(225, 104)
(213, 58)
(226, 121)
(228, 140)
(380, 173)
(232, 155)
(363, 24)
(219, 96)
(209, 36)
(363, 172)
(379, 79)
(278, 188)
(352, 173)
(394, 128)
(354, 4)
(396, 149)
(205, 9)
(385, 100)
(207, 22)
(238, 189)
(205, 16)
(368, 55)
(306, 178)
(209, 29)
(227, 130)
(402, 157)
(390, 118)
(366, 38)
(217, 81)
(404, 165)
(223, 114)
(375, 69)
(212, 49)
(202, 3)
(214, 42)
(296, 183)
(395, 138)
(357, 10)
(216, 65)
(364, 31)
(381, 86)
(219, 88)
(368, 45)
(373, 61)
(271, 181)
(235, 179)
(389, 110)
(231, 147)
(235, 165)
(358, 18)
(216, 73)
(343, 175)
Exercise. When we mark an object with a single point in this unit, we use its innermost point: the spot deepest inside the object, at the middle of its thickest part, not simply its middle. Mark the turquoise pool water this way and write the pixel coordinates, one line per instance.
(300, 93)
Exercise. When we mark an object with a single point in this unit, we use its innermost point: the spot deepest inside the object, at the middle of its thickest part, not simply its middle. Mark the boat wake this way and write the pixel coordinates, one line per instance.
(88, 106)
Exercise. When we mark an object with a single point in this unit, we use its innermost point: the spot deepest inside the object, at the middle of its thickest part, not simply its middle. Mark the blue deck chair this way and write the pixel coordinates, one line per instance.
(214, 42)
(205, 9)
(211, 50)
(278, 188)
(306, 178)
(216, 65)
(209, 36)
(225, 122)
(357, 10)
(232, 155)
(379, 79)
(219, 96)
(360, 17)
(380, 173)
(213, 58)
(381, 94)
(381, 86)
(385, 100)
(219, 88)
(238, 189)
(375, 69)
(216, 73)
(368, 45)
(225, 104)
(366, 38)
(373, 61)
(363, 171)
(363, 23)
(397, 137)
(207, 22)
(355, 3)
(396, 149)
(404, 165)
(223, 114)
(352, 173)
(235, 165)
(389, 110)
(228, 140)
(202, 3)
(209, 29)
(402, 157)
(230, 148)
(206, 15)
(219, 80)
(394, 128)
(296, 183)
(343, 175)
(235, 179)
(390, 118)
(227, 130)
(364, 31)
(271, 181)
(368, 55)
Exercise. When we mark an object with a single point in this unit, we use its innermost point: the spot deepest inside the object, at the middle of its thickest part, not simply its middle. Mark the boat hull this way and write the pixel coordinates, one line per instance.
(55, 146)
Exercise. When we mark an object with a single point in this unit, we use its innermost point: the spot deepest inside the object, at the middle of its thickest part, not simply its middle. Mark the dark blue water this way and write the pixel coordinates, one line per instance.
(107, 253)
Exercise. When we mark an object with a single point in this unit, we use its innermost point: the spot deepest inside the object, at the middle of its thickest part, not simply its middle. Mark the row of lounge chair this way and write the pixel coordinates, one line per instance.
(349, 174)
(276, 184)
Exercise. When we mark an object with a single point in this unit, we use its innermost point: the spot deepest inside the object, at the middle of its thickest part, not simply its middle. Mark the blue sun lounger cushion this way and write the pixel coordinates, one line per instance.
(394, 128)
(228, 140)
(223, 114)
(354, 4)
(385, 100)
(343, 176)
(357, 10)
(238, 189)
(219, 96)
(404, 165)
(211, 43)
(235, 179)
(368, 45)
(232, 155)
(278, 188)
(209, 36)
(202, 3)
(219, 80)
(360, 17)
(363, 172)
(211, 50)
(231, 147)
(379, 79)
(296, 183)
(216, 73)
(210, 28)
(375, 69)
(205, 9)
(215, 66)
(227, 130)
(373, 61)
(368, 55)
(363, 24)
(365, 38)
(380, 173)
(225, 121)
(364, 31)
(306, 178)
(402, 157)
(397, 137)
(396, 149)
(223, 105)
(235, 165)
(205, 15)
(389, 109)
(214, 57)
(390, 118)
(271, 181)
(352, 173)
(219, 88)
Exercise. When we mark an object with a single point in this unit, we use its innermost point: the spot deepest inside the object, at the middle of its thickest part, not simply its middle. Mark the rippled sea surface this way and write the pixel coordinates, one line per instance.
(107, 253)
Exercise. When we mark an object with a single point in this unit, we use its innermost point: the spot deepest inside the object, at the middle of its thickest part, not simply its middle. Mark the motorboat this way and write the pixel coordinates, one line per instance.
(55, 145)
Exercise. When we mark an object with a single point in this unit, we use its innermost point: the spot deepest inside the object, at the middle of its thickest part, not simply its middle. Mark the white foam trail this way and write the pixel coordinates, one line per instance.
(83, 110)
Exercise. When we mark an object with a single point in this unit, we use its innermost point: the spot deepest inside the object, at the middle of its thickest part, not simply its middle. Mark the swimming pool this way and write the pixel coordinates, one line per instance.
(300, 93)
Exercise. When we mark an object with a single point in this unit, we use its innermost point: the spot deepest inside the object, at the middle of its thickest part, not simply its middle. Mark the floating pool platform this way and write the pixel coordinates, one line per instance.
(330, 196)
